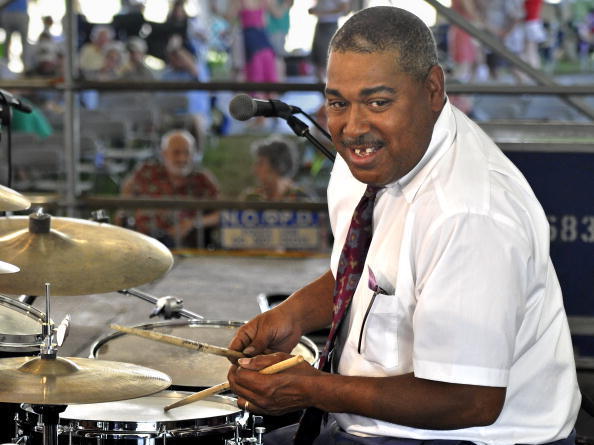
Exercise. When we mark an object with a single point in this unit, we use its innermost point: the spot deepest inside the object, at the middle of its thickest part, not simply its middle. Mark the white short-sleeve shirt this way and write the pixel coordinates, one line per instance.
(461, 248)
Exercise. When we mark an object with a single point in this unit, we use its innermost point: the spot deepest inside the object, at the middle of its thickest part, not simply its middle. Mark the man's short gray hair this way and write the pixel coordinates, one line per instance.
(389, 29)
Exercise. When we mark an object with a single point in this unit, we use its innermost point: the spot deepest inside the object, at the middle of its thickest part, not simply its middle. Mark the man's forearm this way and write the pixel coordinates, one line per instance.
(407, 400)
(311, 306)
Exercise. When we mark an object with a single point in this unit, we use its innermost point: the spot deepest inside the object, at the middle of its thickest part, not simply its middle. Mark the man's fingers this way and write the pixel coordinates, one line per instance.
(246, 340)
(262, 361)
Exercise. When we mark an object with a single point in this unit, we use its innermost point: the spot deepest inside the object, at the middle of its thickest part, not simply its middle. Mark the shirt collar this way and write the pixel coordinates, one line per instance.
(444, 133)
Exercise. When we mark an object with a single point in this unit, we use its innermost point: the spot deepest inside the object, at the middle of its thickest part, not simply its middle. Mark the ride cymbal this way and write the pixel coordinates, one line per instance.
(77, 257)
(72, 380)
(11, 200)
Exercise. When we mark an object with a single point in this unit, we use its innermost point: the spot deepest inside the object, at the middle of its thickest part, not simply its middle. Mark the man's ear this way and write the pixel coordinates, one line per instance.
(435, 84)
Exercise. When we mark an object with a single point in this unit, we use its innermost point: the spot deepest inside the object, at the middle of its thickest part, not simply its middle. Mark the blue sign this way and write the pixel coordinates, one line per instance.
(564, 185)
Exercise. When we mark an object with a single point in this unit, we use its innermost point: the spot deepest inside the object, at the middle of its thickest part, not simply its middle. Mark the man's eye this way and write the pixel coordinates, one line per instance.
(335, 104)
(378, 103)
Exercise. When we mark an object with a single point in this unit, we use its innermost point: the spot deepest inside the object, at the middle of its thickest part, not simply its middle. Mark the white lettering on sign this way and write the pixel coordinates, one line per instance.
(571, 228)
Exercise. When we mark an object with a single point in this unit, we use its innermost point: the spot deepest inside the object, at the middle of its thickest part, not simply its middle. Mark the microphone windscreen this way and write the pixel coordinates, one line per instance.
(242, 107)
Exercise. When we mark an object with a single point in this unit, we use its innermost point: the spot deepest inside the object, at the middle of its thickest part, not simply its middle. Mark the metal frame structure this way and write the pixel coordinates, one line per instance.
(72, 86)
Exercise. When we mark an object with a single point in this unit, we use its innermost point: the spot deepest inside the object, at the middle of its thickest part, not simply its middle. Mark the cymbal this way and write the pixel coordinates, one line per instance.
(8, 268)
(64, 381)
(11, 200)
(77, 257)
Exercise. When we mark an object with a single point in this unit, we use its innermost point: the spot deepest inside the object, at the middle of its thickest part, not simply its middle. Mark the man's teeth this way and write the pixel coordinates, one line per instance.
(367, 151)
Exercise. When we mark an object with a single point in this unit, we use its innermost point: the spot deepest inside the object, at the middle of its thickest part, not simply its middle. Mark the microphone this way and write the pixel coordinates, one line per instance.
(15, 102)
(243, 107)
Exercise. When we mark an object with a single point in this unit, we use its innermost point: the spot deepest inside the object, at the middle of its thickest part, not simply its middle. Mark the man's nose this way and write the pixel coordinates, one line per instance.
(356, 122)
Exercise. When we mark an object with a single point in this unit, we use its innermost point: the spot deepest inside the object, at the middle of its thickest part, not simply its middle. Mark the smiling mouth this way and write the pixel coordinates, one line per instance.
(363, 152)
(363, 146)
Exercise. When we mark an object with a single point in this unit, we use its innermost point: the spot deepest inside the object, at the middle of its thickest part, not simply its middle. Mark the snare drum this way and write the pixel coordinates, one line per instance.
(20, 335)
(141, 421)
(187, 368)
(20, 328)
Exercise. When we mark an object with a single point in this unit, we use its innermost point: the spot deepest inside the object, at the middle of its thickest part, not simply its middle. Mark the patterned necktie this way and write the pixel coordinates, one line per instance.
(350, 268)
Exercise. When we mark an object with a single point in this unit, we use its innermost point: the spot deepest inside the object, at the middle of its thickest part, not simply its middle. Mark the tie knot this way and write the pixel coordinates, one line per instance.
(371, 191)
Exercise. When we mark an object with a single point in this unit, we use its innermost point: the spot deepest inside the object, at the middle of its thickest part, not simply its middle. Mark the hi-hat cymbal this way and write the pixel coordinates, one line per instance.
(64, 381)
(77, 257)
(8, 268)
(11, 200)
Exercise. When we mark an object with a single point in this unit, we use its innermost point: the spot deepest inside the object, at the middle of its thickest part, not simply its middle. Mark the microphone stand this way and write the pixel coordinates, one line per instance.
(7, 102)
(302, 130)
(5, 120)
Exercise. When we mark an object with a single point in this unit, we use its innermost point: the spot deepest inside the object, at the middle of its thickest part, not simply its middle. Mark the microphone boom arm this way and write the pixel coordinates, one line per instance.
(151, 299)
(302, 130)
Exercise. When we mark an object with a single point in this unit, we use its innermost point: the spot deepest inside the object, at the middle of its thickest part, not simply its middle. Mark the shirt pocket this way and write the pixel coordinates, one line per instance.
(378, 338)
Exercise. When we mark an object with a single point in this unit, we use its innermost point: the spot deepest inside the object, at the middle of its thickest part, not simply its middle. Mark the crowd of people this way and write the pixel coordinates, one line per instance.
(252, 34)
(178, 171)
(540, 33)
(245, 40)
(248, 37)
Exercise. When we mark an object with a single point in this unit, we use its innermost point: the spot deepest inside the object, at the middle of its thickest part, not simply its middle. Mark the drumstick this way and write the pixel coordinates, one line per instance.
(178, 341)
(272, 369)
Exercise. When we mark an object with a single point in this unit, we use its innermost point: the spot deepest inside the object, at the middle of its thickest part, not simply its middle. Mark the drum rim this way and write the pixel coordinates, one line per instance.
(16, 342)
(190, 322)
(196, 426)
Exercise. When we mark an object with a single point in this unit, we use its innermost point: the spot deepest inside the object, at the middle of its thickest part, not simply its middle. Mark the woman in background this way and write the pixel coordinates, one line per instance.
(275, 164)
(260, 59)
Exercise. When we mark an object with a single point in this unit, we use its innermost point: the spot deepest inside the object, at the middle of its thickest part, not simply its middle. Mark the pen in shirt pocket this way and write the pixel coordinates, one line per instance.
(376, 289)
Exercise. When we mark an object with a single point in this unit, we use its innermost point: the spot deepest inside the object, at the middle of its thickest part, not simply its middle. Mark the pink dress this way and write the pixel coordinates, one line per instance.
(260, 65)
(463, 47)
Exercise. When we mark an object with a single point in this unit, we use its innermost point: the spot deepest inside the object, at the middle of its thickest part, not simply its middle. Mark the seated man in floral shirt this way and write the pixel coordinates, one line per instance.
(174, 175)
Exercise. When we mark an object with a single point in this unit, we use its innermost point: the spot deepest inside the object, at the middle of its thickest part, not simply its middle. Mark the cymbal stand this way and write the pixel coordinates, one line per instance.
(48, 348)
(167, 306)
(50, 414)
(50, 419)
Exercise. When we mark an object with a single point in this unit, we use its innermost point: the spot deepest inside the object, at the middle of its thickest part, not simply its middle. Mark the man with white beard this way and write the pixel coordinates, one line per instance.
(176, 174)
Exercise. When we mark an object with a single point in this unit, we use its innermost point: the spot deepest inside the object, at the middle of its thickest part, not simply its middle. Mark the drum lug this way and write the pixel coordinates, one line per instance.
(19, 437)
(260, 430)
(257, 422)
(256, 432)
(240, 425)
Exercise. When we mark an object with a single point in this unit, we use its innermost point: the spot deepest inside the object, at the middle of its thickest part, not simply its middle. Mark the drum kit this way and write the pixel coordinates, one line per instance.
(116, 395)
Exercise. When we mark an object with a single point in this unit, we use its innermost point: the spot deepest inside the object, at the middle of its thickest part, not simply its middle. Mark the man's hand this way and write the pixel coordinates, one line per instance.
(280, 328)
(273, 394)
(271, 331)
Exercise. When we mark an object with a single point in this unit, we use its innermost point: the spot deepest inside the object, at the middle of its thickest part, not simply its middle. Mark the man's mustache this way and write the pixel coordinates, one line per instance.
(363, 140)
